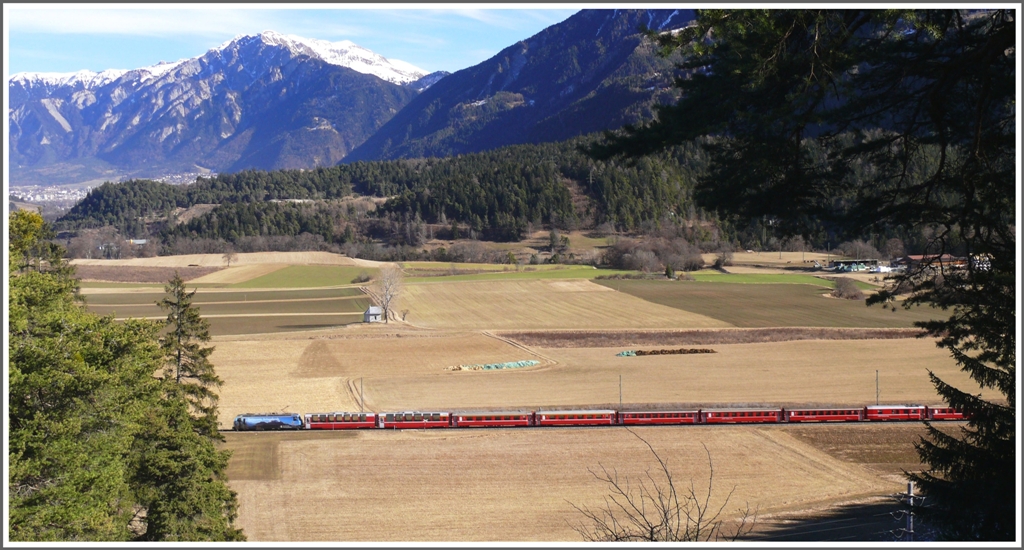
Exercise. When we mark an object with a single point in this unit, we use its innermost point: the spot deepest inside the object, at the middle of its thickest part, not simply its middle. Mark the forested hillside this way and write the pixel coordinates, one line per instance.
(496, 194)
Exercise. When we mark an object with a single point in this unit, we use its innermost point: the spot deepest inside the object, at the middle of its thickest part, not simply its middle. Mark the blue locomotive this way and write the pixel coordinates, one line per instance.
(258, 422)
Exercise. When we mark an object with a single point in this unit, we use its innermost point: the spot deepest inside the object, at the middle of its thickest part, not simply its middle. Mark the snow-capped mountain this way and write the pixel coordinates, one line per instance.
(258, 101)
(344, 54)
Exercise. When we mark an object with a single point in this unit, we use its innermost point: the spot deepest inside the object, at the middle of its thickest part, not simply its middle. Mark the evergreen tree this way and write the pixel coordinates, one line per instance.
(78, 384)
(187, 360)
(860, 120)
(181, 475)
(99, 448)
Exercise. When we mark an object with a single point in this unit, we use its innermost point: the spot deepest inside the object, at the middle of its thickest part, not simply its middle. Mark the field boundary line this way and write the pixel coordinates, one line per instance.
(234, 302)
(219, 315)
(513, 343)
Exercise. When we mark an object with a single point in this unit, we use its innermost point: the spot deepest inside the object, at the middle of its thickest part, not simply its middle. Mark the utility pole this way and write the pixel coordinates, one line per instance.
(361, 394)
(910, 515)
(876, 386)
(620, 391)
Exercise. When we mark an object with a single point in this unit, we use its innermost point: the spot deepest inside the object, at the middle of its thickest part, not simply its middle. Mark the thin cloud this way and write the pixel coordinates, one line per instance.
(137, 22)
(511, 18)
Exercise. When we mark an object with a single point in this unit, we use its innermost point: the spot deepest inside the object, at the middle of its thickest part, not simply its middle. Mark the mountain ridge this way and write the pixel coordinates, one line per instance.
(589, 73)
(250, 103)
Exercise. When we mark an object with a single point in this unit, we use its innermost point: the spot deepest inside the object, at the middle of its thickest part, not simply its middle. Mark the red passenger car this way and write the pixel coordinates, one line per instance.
(741, 416)
(340, 421)
(575, 418)
(491, 419)
(895, 412)
(650, 418)
(945, 413)
(414, 419)
(824, 415)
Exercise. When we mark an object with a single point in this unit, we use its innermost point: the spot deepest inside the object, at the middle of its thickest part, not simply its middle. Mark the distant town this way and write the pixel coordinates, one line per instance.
(57, 199)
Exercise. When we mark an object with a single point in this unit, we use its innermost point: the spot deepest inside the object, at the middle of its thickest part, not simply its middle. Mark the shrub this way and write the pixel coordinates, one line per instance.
(361, 278)
(847, 289)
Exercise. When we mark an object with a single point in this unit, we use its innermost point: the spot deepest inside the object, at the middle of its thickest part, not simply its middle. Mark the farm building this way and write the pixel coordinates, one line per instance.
(935, 261)
(853, 265)
(372, 315)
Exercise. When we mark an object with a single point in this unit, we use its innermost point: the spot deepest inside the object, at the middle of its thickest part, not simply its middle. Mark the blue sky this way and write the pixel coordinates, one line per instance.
(450, 37)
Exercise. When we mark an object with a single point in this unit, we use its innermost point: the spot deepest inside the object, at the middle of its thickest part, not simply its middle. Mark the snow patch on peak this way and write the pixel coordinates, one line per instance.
(156, 71)
(344, 53)
(86, 78)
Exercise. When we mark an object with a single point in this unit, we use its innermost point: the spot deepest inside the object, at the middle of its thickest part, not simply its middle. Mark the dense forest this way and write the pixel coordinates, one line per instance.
(499, 195)
(495, 194)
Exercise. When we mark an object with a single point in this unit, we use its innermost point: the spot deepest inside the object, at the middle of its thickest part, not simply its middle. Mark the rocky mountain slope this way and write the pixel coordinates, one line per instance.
(266, 101)
(589, 73)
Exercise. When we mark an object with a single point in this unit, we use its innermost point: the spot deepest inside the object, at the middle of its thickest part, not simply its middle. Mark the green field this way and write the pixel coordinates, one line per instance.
(91, 284)
(556, 272)
(442, 267)
(230, 326)
(232, 313)
(146, 298)
(769, 305)
(770, 278)
(324, 305)
(307, 276)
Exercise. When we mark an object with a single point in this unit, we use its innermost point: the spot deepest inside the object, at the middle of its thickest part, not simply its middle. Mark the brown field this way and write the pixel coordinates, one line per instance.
(142, 274)
(771, 305)
(538, 304)
(243, 258)
(239, 274)
(404, 370)
(322, 373)
(604, 338)
(517, 484)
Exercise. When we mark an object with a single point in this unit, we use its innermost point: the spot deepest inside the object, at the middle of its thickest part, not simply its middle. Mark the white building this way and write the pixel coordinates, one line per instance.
(372, 315)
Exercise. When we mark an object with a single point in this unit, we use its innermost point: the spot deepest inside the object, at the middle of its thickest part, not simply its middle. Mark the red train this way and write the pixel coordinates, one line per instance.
(606, 417)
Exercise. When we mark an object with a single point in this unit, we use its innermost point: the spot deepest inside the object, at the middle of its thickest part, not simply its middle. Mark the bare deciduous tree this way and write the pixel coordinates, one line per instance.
(230, 256)
(388, 287)
(653, 509)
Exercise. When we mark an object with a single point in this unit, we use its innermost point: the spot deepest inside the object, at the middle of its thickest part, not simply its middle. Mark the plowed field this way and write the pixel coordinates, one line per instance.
(539, 304)
(511, 484)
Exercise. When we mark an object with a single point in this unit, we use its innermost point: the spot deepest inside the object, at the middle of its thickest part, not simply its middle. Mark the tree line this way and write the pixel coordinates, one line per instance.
(112, 425)
(496, 194)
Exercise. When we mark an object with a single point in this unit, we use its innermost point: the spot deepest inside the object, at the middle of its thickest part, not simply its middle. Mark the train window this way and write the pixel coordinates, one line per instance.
(389, 417)
(435, 417)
